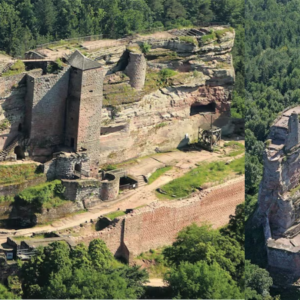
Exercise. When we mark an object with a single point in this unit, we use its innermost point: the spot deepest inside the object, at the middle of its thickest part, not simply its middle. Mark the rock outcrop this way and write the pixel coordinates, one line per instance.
(279, 194)
(156, 100)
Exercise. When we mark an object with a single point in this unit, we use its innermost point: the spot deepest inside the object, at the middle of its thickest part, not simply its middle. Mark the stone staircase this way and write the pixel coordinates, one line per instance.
(141, 180)
(5, 152)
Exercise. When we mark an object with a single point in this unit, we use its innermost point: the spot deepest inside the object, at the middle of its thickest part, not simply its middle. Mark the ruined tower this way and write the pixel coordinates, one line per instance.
(293, 130)
(84, 103)
(136, 70)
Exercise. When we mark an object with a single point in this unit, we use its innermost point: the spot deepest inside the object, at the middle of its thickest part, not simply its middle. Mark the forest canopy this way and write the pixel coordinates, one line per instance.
(26, 23)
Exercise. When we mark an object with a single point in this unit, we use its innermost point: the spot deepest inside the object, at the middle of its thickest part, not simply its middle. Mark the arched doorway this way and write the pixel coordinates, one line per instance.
(19, 152)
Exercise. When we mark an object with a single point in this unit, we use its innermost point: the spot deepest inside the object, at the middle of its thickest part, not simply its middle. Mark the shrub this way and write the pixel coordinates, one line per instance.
(145, 47)
(189, 40)
(167, 73)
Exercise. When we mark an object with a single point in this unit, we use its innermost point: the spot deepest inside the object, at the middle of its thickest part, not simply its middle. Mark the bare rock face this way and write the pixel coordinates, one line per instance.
(145, 110)
(279, 192)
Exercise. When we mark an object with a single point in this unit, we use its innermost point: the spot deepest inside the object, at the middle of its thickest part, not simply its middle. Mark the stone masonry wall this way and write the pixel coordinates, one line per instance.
(158, 224)
(49, 102)
(136, 70)
(90, 116)
(62, 166)
(110, 187)
(73, 107)
(284, 257)
(12, 106)
(80, 190)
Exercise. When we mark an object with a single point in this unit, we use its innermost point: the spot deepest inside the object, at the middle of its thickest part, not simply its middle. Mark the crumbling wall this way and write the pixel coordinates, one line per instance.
(79, 190)
(14, 189)
(62, 166)
(158, 225)
(12, 107)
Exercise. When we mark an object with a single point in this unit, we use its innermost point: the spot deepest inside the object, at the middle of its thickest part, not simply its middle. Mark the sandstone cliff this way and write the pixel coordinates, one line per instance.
(151, 102)
(162, 114)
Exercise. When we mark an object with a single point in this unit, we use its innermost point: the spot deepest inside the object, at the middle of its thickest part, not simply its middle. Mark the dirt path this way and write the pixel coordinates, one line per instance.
(155, 282)
(182, 163)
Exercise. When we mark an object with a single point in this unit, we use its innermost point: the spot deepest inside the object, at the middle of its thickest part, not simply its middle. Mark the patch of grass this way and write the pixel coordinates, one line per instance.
(205, 173)
(158, 173)
(17, 68)
(158, 266)
(115, 214)
(13, 174)
(209, 37)
(47, 195)
(189, 39)
(4, 199)
(145, 47)
(160, 125)
(167, 73)
(295, 190)
(222, 32)
(4, 124)
(237, 147)
(35, 237)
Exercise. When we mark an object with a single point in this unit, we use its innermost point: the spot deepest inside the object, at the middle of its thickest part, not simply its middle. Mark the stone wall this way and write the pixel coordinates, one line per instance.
(136, 70)
(62, 166)
(158, 224)
(283, 257)
(81, 190)
(12, 106)
(48, 102)
(14, 189)
(110, 187)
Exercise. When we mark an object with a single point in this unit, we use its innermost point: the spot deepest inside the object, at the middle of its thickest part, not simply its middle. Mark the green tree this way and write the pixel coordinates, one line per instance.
(10, 28)
(203, 243)
(236, 227)
(201, 281)
(56, 272)
(257, 282)
(5, 294)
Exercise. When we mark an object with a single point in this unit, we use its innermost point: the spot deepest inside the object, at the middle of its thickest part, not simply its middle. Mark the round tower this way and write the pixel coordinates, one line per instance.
(136, 70)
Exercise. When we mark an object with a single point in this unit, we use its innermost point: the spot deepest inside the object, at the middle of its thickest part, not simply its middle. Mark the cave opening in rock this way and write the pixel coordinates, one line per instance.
(198, 108)
(19, 152)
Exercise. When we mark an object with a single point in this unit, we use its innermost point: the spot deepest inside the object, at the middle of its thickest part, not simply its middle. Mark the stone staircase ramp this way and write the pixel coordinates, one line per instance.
(141, 180)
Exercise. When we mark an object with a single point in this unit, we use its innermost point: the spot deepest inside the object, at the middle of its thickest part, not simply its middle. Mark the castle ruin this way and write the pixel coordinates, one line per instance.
(114, 106)
(279, 193)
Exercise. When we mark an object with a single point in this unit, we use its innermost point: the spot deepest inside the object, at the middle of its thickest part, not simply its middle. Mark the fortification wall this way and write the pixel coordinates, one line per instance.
(160, 120)
(284, 257)
(14, 189)
(49, 101)
(12, 107)
(62, 166)
(110, 187)
(158, 224)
